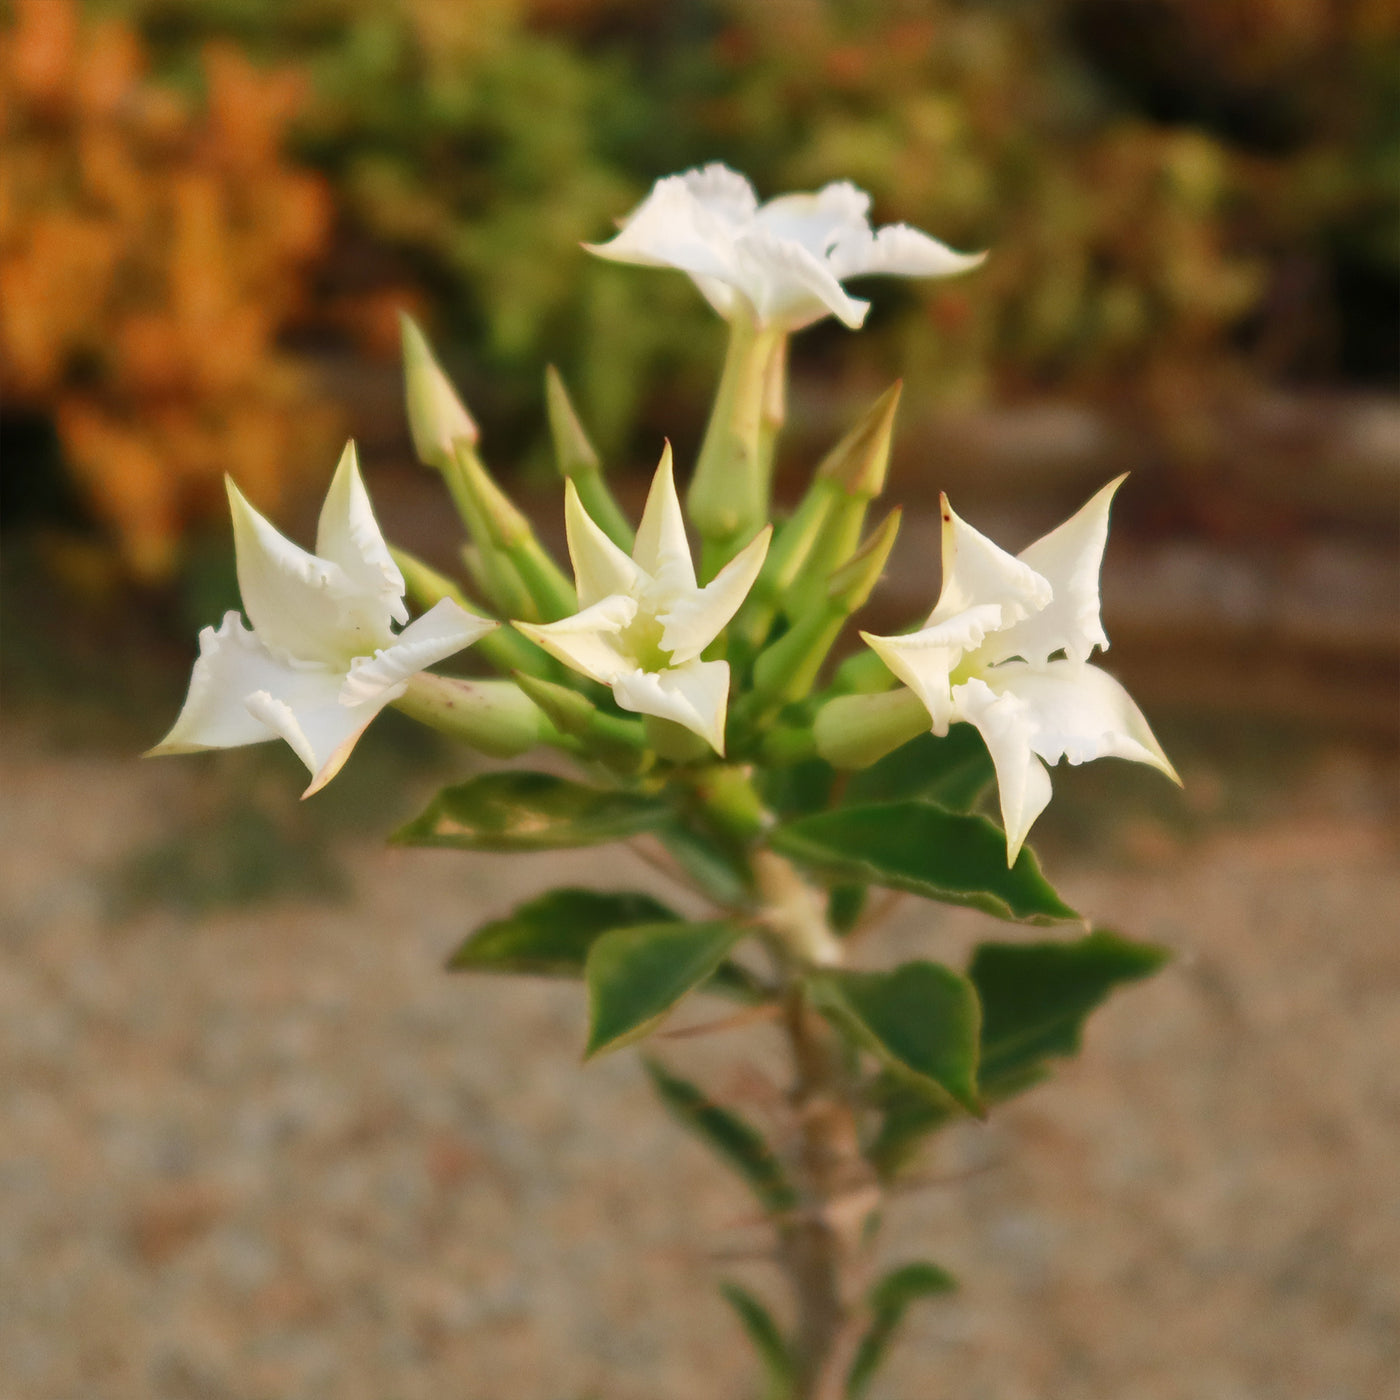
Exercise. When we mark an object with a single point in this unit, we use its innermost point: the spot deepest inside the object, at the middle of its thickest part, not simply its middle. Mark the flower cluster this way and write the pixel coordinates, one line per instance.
(1006, 649)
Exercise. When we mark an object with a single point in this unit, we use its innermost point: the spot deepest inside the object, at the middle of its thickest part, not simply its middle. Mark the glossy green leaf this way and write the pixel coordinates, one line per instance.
(918, 846)
(1037, 996)
(529, 812)
(889, 1300)
(1035, 999)
(764, 1333)
(734, 1139)
(953, 771)
(636, 975)
(550, 936)
(921, 1019)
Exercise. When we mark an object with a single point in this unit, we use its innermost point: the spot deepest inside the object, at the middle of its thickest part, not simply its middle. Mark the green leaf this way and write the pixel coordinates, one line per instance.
(907, 1117)
(921, 1019)
(740, 1144)
(1037, 996)
(889, 1300)
(1035, 999)
(763, 1332)
(953, 771)
(844, 906)
(550, 936)
(918, 846)
(529, 812)
(636, 975)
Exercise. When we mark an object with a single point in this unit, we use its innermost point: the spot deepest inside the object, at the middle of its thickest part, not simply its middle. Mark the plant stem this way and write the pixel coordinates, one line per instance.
(825, 1249)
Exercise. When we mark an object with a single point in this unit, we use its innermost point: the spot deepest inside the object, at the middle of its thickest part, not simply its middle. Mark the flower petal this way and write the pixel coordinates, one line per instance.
(673, 228)
(233, 664)
(349, 535)
(1069, 559)
(588, 641)
(661, 549)
(696, 619)
(695, 695)
(442, 631)
(1080, 712)
(722, 191)
(977, 572)
(298, 604)
(319, 729)
(789, 286)
(925, 660)
(820, 221)
(1007, 727)
(600, 567)
(897, 250)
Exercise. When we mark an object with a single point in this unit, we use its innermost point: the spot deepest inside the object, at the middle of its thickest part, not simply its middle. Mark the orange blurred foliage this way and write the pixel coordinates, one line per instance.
(149, 256)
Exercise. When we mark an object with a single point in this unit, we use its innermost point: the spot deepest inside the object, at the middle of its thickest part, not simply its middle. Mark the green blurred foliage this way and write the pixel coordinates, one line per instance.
(1176, 192)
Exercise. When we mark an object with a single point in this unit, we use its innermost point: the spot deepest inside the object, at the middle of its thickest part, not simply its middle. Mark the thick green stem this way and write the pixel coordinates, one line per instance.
(729, 494)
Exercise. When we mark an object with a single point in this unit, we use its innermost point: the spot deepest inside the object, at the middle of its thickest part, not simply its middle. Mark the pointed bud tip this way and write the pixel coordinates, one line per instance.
(437, 417)
(573, 452)
(860, 461)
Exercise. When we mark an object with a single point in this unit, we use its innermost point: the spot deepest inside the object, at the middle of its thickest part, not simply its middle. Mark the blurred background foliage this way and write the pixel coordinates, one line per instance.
(205, 202)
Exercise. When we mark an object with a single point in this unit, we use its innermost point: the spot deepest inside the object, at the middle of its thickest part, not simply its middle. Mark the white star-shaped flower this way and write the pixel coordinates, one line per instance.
(988, 654)
(643, 621)
(321, 659)
(780, 263)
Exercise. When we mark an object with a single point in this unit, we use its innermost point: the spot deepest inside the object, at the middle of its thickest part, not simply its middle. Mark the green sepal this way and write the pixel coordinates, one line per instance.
(728, 1135)
(888, 1301)
(920, 1019)
(618, 743)
(578, 461)
(636, 975)
(925, 849)
(764, 1333)
(1037, 996)
(550, 936)
(523, 811)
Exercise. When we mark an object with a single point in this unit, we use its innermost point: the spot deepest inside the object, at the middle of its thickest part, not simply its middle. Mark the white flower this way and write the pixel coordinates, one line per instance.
(781, 263)
(985, 656)
(643, 622)
(320, 660)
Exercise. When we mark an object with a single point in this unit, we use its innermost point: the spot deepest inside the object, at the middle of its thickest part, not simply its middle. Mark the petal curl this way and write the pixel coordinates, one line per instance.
(789, 286)
(722, 191)
(897, 250)
(233, 664)
(672, 228)
(299, 604)
(1069, 559)
(1007, 728)
(695, 695)
(977, 573)
(1081, 713)
(696, 619)
(589, 641)
(348, 534)
(441, 632)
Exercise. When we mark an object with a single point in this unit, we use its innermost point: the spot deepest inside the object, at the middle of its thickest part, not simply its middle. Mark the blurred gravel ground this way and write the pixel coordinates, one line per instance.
(272, 1152)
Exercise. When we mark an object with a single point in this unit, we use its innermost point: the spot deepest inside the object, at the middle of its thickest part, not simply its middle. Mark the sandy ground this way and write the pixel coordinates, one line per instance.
(272, 1150)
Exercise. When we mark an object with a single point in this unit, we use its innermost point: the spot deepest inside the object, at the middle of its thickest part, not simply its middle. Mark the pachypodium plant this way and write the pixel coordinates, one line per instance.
(706, 722)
